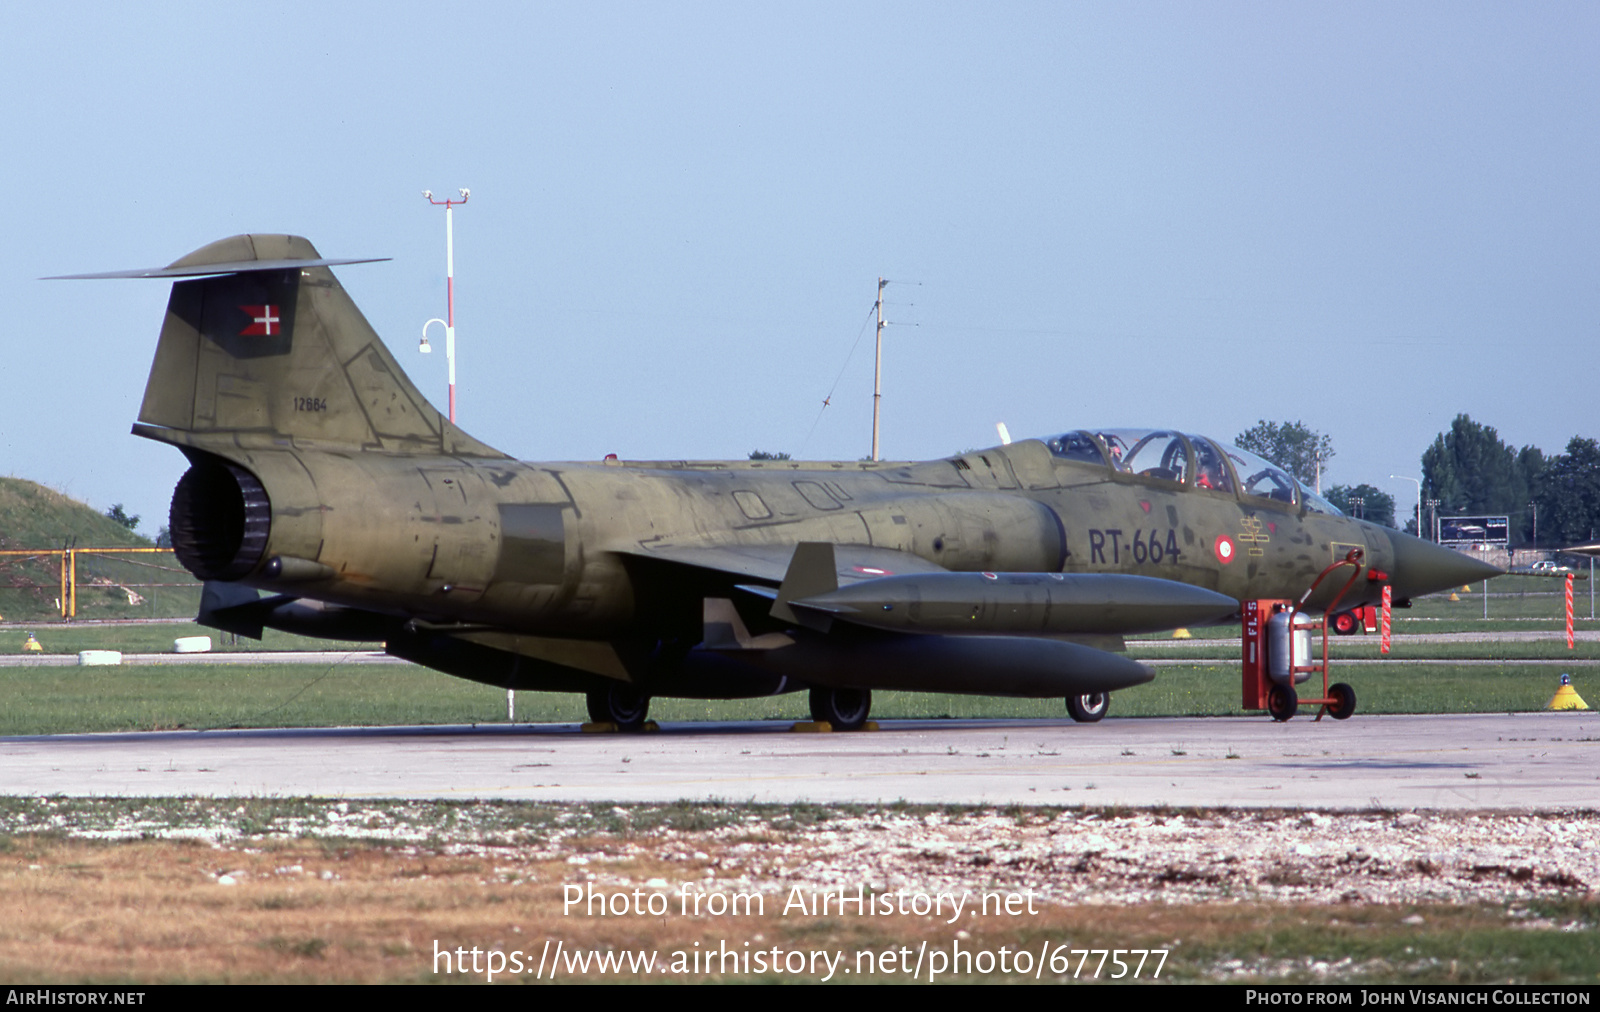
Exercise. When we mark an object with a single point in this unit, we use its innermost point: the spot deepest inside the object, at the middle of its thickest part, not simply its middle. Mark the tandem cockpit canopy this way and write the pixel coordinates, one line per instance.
(1185, 459)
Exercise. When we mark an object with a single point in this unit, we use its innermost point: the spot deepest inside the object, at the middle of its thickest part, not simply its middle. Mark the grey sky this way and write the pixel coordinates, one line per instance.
(1368, 217)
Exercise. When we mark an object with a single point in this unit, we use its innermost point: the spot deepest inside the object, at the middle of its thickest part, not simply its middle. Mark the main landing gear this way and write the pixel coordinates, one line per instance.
(845, 709)
(620, 704)
(1089, 707)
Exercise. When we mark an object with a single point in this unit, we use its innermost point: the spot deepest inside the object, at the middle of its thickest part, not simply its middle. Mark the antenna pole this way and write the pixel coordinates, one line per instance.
(877, 373)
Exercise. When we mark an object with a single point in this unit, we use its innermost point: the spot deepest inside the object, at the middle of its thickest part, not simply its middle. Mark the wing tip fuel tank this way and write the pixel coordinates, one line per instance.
(1036, 603)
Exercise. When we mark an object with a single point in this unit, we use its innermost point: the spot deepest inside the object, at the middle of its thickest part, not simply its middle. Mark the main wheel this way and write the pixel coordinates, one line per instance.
(1089, 707)
(1344, 701)
(1345, 623)
(622, 705)
(1282, 702)
(845, 709)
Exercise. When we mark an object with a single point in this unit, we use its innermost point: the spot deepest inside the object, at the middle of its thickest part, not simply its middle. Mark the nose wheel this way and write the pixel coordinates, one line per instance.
(1089, 707)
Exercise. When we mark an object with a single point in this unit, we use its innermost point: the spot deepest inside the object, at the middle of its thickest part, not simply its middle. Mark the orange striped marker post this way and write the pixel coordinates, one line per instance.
(1383, 646)
(1569, 611)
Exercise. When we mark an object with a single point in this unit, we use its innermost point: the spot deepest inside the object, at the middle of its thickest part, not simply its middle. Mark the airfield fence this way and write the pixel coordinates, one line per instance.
(111, 581)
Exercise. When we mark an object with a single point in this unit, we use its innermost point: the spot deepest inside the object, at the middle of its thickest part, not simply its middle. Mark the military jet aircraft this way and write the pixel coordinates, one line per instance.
(319, 473)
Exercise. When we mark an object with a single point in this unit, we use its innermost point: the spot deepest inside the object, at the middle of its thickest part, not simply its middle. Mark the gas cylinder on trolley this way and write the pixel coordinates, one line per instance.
(1289, 659)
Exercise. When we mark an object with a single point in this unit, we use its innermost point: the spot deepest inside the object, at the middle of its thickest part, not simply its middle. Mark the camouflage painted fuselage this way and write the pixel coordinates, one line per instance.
(545, 548)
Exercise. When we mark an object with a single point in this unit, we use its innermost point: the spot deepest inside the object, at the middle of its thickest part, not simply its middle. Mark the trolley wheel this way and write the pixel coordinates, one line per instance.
(622, 705)
(1282, 702)
(1344, 701)
(1345, 623)
(1089, 707)
(845, 709)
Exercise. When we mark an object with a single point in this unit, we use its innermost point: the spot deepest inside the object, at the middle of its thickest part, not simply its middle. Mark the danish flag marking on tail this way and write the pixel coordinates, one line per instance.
(265, 321)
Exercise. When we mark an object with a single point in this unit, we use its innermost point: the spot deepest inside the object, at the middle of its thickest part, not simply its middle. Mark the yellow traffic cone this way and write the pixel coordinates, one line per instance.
(1181, 634)
(1454, 596)
(32, 645)
(1566, 697)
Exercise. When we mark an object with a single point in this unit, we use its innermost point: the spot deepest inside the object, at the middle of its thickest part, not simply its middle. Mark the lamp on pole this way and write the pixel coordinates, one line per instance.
(1417, 483)
(449, 320)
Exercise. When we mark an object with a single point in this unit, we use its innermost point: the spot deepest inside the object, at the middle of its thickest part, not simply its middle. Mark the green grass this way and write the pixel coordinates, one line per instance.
(35, 517)
(1474, 944)
(73, 699)
(68, 699)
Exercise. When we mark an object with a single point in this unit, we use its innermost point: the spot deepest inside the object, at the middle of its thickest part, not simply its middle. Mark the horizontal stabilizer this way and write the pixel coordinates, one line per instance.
(204, 270)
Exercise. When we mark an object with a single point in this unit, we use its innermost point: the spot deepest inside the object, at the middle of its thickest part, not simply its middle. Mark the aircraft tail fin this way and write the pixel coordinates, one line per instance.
(268, 349)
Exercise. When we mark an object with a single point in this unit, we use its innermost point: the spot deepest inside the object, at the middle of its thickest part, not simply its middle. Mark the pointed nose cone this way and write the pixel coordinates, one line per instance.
(1422, 567)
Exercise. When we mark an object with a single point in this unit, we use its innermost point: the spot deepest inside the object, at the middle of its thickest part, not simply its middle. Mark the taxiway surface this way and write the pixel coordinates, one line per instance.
(1529, 761)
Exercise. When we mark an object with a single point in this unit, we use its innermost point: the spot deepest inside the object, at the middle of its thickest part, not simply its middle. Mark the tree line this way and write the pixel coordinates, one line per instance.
(1467, 471)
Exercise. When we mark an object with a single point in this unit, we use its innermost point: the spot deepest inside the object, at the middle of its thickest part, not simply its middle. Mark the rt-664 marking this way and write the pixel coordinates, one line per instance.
(1143, 548)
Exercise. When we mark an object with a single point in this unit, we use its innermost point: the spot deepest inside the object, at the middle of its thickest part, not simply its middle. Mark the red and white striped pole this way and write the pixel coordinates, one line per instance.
(1569, 611)
(449, 287)
(1383, 644)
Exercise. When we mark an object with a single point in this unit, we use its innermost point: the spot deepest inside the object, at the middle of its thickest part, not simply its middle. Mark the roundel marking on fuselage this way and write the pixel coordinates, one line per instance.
(1225, 549)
